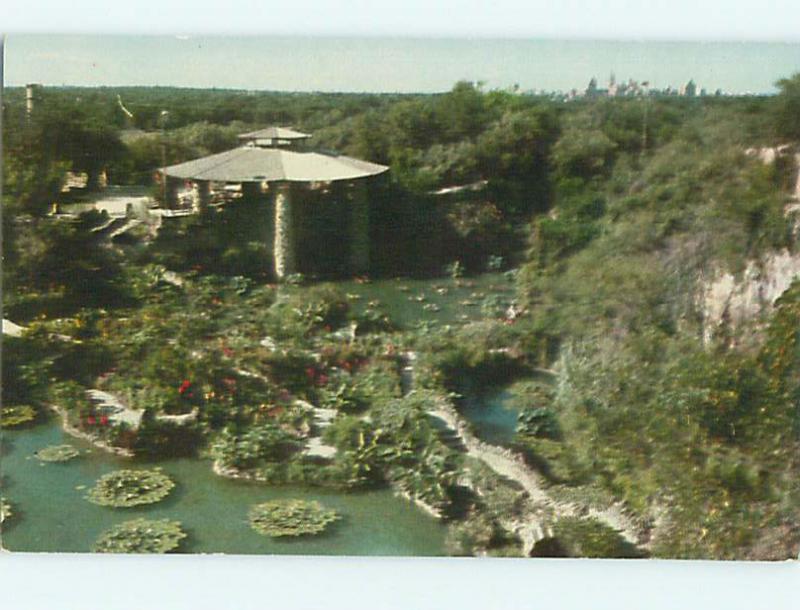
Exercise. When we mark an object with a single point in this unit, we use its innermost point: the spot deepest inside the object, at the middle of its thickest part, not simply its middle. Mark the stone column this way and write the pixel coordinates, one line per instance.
(283, 251)
(201, 196)
(359, 228)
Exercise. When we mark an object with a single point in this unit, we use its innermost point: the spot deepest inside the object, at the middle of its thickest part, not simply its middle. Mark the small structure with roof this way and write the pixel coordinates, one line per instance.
(270, 161)
(275, 136)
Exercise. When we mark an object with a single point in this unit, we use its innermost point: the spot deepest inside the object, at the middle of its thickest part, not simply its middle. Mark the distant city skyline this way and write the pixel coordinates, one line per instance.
(390, 64)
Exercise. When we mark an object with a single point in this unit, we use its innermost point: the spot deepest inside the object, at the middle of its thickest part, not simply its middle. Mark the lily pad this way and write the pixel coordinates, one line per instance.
(141, 536)
(5, 510)
(16, 415)
(57, 453)
(125, 488)
(280, 518)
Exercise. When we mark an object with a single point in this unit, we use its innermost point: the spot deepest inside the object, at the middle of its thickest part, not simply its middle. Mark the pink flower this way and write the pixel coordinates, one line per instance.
(91, 420)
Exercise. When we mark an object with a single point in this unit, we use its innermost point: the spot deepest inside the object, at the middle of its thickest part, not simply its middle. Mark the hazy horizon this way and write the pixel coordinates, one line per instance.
(391, 65)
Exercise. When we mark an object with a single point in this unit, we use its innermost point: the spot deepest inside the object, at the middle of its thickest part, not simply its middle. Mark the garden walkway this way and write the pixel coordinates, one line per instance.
(117, 412)
(512, 466)
(11, 329)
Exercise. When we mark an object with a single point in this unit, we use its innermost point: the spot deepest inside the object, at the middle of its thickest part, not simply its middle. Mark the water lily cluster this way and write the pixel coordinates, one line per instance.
(5, 510)
(57, 453)
(126, 488)
(12, 416)
(141, 536)
(280, 518)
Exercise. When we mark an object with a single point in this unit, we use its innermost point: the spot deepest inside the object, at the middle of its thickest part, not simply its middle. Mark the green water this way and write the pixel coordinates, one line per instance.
(494, 420)
(51, 514)
(409, 302)
(492, 411)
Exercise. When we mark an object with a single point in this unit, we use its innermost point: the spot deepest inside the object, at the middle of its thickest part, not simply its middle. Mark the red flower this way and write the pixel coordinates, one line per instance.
(323, 379)
(228, 352)
(184, 386)
(91, 420)
(104, 420)
(311, 373)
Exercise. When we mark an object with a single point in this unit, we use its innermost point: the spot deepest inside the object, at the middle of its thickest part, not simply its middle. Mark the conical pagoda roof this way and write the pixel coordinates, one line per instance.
(257, 164)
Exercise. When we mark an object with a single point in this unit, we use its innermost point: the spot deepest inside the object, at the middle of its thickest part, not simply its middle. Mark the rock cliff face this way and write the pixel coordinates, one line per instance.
(728, 300)
(731, 301)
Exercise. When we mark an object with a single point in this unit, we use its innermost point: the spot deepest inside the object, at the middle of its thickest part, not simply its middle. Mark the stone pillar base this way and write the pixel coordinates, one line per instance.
(201, 196)
(284, 250)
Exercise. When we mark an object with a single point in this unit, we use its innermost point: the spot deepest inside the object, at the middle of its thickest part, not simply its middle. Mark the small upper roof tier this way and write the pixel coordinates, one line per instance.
(274, 133)
(256, 164)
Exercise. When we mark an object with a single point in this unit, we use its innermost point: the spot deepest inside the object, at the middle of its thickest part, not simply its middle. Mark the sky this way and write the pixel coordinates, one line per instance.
(383, 64)
(398, 45)
(670, 19)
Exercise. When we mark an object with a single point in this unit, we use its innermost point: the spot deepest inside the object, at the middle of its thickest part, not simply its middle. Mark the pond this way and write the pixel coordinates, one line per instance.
(493, 410)
(51, 513)
(437, 301)
(493, 418)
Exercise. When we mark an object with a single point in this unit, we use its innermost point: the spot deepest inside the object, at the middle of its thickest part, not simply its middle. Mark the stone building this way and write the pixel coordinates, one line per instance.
(271, 166)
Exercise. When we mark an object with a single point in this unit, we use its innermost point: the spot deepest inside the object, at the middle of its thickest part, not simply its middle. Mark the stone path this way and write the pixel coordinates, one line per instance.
(113, 407)
(322, 419)
(512, 466)
(11, 329)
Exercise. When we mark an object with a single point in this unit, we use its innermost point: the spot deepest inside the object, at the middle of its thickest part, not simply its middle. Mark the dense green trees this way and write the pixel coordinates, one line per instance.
(626, 207)
(787, 106)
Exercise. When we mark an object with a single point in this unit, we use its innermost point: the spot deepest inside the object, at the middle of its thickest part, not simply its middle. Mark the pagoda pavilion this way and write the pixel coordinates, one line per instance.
(274, 162)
